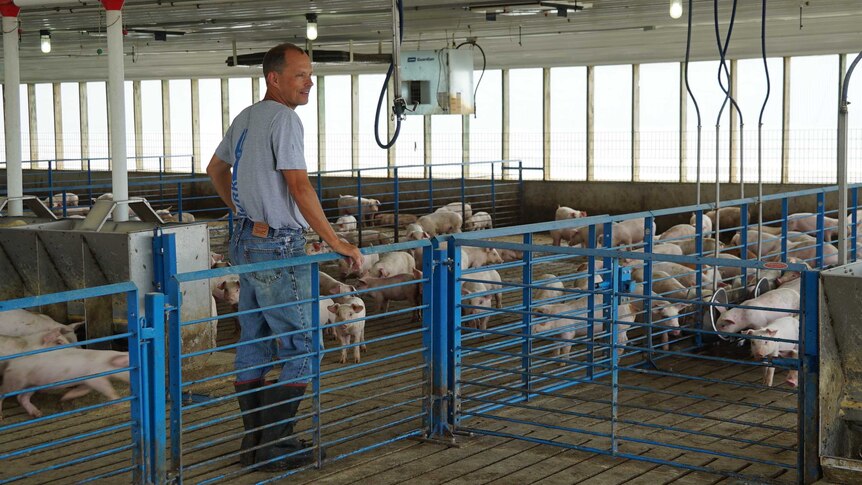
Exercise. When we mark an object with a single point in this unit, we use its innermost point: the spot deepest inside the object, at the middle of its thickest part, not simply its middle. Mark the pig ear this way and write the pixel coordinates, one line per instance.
(75, 325)
(748, 332)
(222, 285)
(771, 332)
(417, 273)
(54, 336)
(332, 308)
(464, 291)
(352, 288)
(357, 307)
(363, 280)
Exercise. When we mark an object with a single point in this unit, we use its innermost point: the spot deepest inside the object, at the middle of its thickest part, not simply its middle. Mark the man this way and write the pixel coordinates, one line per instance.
(274, 201)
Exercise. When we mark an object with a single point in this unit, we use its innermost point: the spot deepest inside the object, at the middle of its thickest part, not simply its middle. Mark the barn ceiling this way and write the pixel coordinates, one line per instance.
(201, 34)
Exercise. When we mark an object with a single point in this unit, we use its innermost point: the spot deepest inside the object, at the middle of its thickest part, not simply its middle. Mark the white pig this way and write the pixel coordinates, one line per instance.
(678, 231)
(564, 213)
(348, 205)
(345, 223)
(57, 200)
(545, 293)
(807, 222)
(475, 257)
(389, 219)
(226, 288)
(391, 264)
(368, 260)
(782, 302)
(783, 328)
(24, 343)
(509, 255)
(706, 225)
(479, 220)
(353, 332)
(16, 323)
(331, 286)
(443, 222)
(412, 293)
(415, 232)
(43, 370)
(465, 212)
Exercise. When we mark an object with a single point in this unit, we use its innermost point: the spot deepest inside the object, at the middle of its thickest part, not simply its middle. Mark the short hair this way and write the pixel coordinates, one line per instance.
(273, 60)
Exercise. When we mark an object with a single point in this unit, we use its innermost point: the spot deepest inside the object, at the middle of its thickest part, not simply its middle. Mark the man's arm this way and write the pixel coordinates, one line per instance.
(219, 172)
(309, 205)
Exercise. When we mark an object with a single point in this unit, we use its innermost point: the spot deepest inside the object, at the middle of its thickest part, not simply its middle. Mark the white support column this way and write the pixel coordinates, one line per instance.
(225, 105)
(12, 107)
(426, 135)
(116, 79)
(139, 125)
(34, 125)
(196, 127)
(546, 122)
(636, 123)
(591, 135)
(58, 125)
(166, 124)
(354, 121)
(465, 144)
(84, 123)
(785, 124)
(321, 123)
(842, 164)
(255, 90)
(683, 126)
(505, 115)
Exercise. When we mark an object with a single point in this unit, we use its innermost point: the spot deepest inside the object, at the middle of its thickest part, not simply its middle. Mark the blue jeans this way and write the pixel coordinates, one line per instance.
(268, 288)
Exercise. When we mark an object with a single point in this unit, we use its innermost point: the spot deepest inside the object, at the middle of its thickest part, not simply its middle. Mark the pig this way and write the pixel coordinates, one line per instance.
(331, 286)
(689, 246)
(569, 327)
(465, 212)
(415, 232)
(564, 212)
(782, 301)
(509, 255)
(678, 231)
(808, 252)
(583, 281)
(226, 288)
(57, 200)
(346, 269)
(32, 341)
(479, 220)
(491, 280)
(625, 233)
(345, 223)
(706, 224)
(348, 205)
(353, 309)
(327, 317)
(666, 248)
(546, 293)
(43, 370)
(389, 219)
(215, 258)
(369, 237)
(185, 217)
(579, 236)
(405, 292)
(468, 288)
(783, 328)
(807, 222)
(626, 314)
(663, 313)
(730, 217)
(476, 257)
(666, 285)
(106, 196)
(770, 246)
(443, 222)
(391, 264)
(16, 323)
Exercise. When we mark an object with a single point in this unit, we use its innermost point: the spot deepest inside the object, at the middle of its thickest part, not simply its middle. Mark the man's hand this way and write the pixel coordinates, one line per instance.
(351, 252)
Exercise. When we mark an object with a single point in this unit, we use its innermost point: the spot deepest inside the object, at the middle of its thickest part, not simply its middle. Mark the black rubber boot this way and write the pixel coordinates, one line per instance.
(251, 419)
(278, 434)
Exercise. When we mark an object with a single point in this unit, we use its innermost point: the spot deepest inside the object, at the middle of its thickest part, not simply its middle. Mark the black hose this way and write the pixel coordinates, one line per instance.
(391, 142)
(691, 95)
(763, 55)
(484, 64)
(722, 50)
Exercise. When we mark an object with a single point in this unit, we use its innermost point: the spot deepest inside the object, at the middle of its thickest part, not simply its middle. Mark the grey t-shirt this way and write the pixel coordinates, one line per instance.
(264, 139)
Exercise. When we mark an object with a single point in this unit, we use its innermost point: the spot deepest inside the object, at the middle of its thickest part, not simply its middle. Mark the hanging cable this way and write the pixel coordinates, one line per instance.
(760, 135)
(691, 95)
(722, 50)
(484, 64)
(398, 106)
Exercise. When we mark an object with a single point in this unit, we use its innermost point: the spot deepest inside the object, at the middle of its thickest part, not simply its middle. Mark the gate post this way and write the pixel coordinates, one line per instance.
(809, 399)
(437, 318)
(153, 360)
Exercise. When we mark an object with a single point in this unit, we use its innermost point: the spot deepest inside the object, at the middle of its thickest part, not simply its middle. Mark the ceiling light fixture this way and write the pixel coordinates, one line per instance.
(675, 9)
(45, 38)
(311, 27)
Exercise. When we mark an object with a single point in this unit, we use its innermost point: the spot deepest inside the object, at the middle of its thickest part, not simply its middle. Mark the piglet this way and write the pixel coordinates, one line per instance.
(412, 293)
(345, 223)
(391, 264)
(61, 365)
(476, 257)
(479, 220)
(226, 288)
(782, 302)
(25, 343)
(346, 269)
(16, 323)
(784, 328)
(331, 286)
(353, 331)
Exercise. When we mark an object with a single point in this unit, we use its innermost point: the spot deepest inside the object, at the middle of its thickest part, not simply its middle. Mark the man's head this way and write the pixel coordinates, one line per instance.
(287, 69)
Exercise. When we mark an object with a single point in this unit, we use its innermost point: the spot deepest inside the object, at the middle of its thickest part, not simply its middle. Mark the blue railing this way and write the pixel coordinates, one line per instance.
(434, 376)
